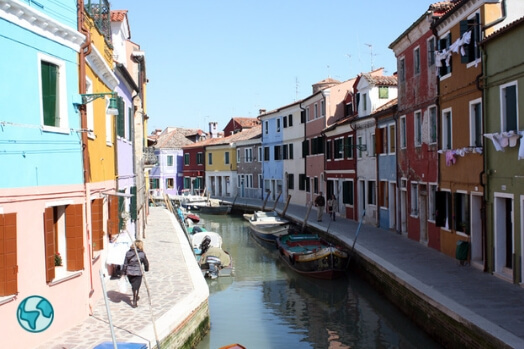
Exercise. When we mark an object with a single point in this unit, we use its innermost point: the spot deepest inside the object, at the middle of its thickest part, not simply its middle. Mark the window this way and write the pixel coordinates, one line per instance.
(226, 158)
(317, 145)
(54, 93)
(154, 183)
(315, 115)
(392, 139)
(266, 153)
(403, 140)
(266, 127)
(443, 209)
(461, 223)
(8, 255)
(328, 149)
(291, 150)
(200, 158)
(359, 144)
(475, 119)
(444, 44)
(301, 181)
(416, 61)
(63, 234)
(305, 148)
(322, 108)
(383, 194)
(402, 69)
(382, 139)
(303, 116)
(432, 125)
(285, 152)
(238, 156)
(508, 103)
(210, 159)
(347, 192)
(446, 129)
(186, 159)
(169, 160)
(284, 121)
(373, 146)
(308, 117)
(278, 124)
(290, 120)
(383, 92)
(290, 181)
(364, 101)
(170, 183)
(348, 147)
(315, 185)
(338, 148)
(120, 119)
(259, 154)
(248, 154)
(372, 197)
(187, 182)
(471, 50)
(278, 152)
(432, 207)
(414, 199)
(349, 109)
(418, 129)
(431, 51)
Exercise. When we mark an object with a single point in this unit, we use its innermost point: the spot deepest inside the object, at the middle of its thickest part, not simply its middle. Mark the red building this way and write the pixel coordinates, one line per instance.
(417, 140)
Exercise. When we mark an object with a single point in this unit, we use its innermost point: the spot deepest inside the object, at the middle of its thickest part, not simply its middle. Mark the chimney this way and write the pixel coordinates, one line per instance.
(261, 111)
(213, 129)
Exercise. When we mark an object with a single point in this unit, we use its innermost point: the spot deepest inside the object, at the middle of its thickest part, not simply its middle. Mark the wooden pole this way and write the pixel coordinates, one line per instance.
(307, 216)
(276, 201)
(286, 205)
(265, 201)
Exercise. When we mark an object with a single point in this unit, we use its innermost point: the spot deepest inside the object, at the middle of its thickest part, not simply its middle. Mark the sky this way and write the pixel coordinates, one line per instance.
(210, 61)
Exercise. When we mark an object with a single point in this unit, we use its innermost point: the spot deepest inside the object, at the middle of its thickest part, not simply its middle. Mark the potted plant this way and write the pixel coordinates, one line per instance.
(58, 260)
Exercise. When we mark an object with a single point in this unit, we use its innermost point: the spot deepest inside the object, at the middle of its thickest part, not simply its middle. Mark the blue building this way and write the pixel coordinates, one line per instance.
(272, 154)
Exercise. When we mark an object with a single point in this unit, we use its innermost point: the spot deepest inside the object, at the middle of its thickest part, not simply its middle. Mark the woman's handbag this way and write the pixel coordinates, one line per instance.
(123, 285)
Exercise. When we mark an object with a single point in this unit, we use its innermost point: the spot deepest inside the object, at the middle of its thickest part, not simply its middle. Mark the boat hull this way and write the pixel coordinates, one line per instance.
(268, 233)
(309, 255)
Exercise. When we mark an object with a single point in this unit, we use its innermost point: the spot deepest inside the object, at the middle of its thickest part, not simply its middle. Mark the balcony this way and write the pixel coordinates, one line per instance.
(100, 12)
(150, 159)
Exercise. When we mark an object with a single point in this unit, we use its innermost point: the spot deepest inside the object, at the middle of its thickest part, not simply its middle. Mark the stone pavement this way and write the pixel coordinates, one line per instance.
(177, 289)
(465, 293)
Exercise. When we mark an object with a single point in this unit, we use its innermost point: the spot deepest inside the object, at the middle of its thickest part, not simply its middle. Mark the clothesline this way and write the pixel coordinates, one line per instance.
(504, 139)
(458, 45)
(450, 153)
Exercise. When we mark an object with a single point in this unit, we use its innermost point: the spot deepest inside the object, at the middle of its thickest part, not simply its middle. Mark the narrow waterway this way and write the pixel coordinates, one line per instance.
(265, 305)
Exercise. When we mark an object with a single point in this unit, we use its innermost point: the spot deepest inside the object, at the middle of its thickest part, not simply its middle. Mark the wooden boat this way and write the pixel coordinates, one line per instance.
(210, 206)
(197, 239)
(267, 226)
(310, 255)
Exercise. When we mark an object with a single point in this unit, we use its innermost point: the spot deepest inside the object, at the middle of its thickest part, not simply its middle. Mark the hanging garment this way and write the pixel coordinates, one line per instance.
(450, 158)
(496, 143)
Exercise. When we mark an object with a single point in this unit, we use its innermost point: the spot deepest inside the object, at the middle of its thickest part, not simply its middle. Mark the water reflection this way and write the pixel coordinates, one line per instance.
(266, 305)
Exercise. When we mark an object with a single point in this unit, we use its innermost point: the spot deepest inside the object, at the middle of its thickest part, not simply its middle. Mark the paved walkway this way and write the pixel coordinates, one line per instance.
(176, 284)
(490, 303)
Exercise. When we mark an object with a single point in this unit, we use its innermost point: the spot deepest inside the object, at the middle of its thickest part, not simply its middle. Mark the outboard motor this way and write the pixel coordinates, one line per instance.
(213, 265)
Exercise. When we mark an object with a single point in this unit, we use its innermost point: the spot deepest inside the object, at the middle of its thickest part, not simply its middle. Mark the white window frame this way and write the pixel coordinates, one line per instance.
(416, 60)
(472, 129)
(62, 94)
(432, 210)
(392, 139)
(432, 121)
(238, 156)
(431, 52)
(445, 132)
(413, 203)
(503, 107)
(403, 135)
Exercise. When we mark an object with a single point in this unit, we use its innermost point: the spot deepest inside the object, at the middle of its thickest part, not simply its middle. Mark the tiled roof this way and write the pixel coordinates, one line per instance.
(176, 137)
(381, 80)
(246, 122)
(118, 15)
(504, 29)
(386, 106)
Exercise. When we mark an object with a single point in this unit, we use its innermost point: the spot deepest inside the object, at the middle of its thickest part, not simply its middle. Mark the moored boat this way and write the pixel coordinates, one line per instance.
(267, 226)
(310, 255)
(215, 262)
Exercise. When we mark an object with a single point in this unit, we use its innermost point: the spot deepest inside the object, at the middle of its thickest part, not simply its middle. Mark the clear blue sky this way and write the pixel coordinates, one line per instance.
(213, 60)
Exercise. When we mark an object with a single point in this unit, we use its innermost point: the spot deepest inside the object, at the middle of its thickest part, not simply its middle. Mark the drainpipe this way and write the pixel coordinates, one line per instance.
(305, 158)
(85, 50)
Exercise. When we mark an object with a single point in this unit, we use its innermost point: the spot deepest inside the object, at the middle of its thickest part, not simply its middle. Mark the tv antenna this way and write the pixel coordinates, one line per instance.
(371, 53)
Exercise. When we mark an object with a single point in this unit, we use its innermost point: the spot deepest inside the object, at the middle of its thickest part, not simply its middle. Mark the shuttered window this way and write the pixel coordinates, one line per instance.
(74, 238)
(97, 223)
(8, 256)
(49, 73)
(121, 118)
(113, 221)
(49, 241)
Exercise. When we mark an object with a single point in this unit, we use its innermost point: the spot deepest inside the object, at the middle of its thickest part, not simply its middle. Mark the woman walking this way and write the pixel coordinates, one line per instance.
(132, 269)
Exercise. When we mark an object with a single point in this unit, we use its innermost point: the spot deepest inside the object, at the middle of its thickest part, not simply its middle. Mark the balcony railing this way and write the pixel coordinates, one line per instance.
(100, 12)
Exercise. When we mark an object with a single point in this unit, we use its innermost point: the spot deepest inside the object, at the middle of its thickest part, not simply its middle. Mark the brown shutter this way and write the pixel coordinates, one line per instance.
(378, 140)
(97, 224)
(49, 240)
(8, 256)
(113, 223)
(74, 237)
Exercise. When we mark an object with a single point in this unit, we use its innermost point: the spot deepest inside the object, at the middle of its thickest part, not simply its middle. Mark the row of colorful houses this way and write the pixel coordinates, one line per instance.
(72, 153)
(432, 152)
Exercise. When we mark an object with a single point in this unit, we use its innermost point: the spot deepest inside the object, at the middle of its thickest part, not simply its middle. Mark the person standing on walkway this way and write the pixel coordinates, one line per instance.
(320, 203)
(333, 207)
(131, 268)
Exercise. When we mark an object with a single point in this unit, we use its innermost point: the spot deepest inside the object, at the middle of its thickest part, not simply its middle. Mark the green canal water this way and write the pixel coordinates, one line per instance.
(265, 305)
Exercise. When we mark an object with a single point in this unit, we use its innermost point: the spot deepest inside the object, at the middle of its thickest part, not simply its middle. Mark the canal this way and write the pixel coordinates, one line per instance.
(265, 305)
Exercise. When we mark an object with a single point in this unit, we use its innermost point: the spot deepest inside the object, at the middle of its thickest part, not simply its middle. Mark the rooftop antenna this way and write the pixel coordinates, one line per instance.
(296, 88)
(371, 53)
(349, 58)
(329, 75)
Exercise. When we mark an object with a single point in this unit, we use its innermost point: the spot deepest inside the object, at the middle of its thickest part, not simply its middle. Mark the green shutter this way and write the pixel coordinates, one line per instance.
(120, 119)
(130, 123)
(133, 207)
(49, 73)
(121, 208)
